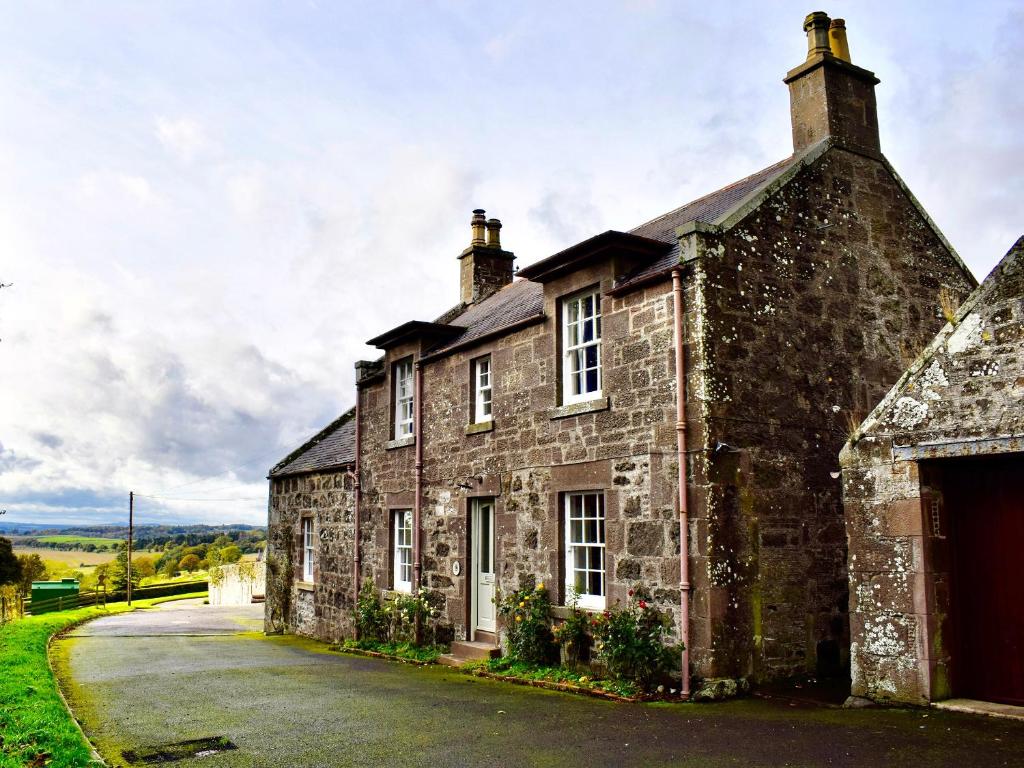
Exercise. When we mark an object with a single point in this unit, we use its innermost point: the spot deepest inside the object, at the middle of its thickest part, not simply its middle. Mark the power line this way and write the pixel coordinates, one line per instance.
(174, 499)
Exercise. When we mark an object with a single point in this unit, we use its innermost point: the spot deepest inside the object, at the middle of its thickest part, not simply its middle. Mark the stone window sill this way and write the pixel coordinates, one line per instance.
(305, 586)
(480, 427)
(577, 409)
(401, 442)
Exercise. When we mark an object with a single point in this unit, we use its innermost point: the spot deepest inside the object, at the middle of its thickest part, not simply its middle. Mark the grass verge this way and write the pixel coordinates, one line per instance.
(36, 728)
(553, 677)
(403, 651)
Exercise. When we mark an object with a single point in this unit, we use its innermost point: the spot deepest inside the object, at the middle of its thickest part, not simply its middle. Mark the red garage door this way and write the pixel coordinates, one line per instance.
(985, 502)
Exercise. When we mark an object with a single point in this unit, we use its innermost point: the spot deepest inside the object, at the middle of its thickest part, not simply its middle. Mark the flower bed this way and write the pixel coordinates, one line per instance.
(404, 652)
(554, 678)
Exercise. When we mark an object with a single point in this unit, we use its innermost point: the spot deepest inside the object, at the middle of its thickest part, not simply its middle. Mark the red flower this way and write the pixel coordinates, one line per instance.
(643, 604)
(631, 593)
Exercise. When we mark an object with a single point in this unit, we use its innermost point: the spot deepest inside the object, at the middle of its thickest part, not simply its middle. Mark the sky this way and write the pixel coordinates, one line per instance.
(206, 208)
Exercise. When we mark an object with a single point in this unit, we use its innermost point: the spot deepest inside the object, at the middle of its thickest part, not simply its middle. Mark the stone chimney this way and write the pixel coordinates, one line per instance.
(484, 267)
(829, 95)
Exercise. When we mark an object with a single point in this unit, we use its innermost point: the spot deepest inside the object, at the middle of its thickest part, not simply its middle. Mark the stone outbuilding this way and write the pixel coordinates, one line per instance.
(933, 486)
(659, 407)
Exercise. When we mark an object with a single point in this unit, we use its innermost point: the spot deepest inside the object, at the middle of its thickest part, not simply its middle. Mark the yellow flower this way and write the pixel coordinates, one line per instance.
(522, 604)
(519, 618)
(540, 586)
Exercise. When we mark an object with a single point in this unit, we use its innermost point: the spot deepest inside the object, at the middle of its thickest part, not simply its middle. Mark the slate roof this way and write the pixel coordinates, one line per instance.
(519, 302)
(707, 210)
(332, 447)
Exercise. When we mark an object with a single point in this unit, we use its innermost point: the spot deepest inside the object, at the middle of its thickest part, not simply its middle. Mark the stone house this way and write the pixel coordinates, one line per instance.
(534, 431)
(933, 486)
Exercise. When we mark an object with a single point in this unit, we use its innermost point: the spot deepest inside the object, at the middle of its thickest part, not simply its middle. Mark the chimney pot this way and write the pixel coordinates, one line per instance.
(477, 223)
(816, 27)
(493, 233)
(837, 40)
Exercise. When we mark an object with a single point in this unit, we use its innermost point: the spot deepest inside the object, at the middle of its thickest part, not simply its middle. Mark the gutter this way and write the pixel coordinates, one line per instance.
(684, 525)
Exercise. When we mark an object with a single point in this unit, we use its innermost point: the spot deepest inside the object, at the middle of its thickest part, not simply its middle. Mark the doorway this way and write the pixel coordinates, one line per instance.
(985, 502)
(483, 583)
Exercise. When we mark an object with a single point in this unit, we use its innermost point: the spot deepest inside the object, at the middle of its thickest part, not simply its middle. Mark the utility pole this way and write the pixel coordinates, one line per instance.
(131, 525)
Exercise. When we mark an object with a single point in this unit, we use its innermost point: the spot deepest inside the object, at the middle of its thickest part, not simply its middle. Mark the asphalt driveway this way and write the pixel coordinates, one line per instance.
(183, 671)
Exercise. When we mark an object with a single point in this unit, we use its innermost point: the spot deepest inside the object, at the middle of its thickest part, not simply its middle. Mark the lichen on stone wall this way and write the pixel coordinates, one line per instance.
(907, 413)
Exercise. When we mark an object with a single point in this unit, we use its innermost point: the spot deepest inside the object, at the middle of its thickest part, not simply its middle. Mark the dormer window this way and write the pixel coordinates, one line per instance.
(482, 389)
(403, 392)
(581, 347)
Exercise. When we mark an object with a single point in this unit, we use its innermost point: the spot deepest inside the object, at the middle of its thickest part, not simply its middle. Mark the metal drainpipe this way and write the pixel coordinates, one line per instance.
(418, 432)
(357, 487)
(684, 546)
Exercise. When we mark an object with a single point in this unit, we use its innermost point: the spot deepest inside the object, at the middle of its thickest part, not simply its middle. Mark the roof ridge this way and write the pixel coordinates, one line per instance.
(714, 193)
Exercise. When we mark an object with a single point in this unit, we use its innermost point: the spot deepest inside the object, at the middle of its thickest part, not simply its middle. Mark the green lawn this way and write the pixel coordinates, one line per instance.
(35, 727)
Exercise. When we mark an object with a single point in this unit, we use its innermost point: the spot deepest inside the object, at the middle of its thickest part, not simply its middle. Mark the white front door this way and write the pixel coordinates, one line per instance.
(483, 565)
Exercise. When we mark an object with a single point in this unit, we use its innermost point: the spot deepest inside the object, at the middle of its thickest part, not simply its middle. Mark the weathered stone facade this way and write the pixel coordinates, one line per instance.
(956, 410)
(321, 607)
(806, 288)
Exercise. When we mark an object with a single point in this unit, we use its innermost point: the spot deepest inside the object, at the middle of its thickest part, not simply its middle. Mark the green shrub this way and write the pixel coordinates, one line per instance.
(526, 616)
(407, 612)
(630, 642)
(573, 634)
(371, 619)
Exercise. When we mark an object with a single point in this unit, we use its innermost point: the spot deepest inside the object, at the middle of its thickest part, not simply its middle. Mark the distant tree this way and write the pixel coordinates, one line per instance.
(189, 563)
(170, 568)
(222, 541)
(119, 571)
(230, 554)
(32, 569)
(10, 566)
(145, 565)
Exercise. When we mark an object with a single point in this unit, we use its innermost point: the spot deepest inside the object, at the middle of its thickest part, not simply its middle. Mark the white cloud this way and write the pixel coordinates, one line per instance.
(183, 137)
(186, 310)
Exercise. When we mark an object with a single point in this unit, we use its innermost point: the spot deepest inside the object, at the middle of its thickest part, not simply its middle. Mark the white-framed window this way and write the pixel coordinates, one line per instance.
(307, 549)
(402, 549)
(581, 347)
(584, 548)
(482, 389)
(403, 385)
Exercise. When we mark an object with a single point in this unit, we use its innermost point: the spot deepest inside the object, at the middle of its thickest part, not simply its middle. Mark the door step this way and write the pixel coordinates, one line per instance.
(465, 650)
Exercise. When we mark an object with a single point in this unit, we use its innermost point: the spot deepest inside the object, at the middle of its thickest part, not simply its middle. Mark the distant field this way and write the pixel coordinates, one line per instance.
(71, 558)
(80, 540)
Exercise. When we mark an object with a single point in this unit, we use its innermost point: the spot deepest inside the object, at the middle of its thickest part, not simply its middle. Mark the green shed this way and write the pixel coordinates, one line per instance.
(53, 595)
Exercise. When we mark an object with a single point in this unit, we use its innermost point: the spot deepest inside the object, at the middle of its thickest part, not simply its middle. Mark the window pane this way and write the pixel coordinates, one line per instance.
(579, 558)
(596, 586)
(588, 306)
(485, 540)
(588, 330)
(575, 532)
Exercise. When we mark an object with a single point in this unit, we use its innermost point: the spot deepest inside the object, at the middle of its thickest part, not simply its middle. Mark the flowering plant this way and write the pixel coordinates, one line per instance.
(572, 634)
(526, 615)
(370, 619)
(630, 641)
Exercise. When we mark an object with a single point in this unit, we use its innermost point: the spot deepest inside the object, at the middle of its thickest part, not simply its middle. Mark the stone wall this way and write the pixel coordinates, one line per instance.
(814, 304)
(536, 451)
(322, 608)
(238, 583)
